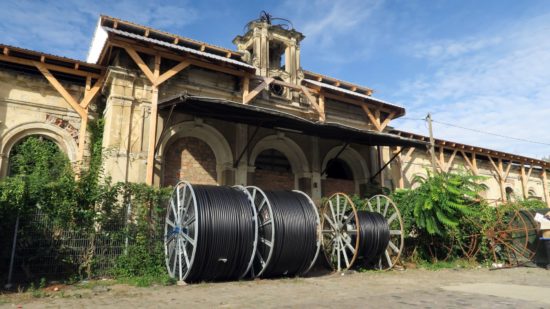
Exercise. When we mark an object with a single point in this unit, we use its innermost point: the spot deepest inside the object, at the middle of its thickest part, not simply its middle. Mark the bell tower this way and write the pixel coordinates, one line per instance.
(272, 46)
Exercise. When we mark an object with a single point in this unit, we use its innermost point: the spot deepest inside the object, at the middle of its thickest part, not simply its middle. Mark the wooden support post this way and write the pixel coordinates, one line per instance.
(400, 173)
(246, 86)
(313, 103)
(375, 121)
(523, 182)
(387, 120)
(264, 84)
(545, 187)
(153, 125)
(171, 72)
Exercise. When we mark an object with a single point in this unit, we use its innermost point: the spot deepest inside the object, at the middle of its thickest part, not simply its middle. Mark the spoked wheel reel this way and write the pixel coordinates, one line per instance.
(509, 239)
(340, 236)
(266, 231)
(387, 208)
(180, 231)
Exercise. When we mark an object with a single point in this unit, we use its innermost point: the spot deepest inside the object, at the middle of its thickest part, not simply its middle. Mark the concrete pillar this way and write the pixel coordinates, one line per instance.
(126, 116)
(315, 170)
(241, 139)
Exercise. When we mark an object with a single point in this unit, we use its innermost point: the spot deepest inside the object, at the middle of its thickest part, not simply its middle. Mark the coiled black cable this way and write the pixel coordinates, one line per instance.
(295, 243)
(374, 236)
(226, 234)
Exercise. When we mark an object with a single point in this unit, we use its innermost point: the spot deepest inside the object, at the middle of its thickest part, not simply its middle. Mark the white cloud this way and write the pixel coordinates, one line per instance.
(500, 86)
(66, 28)
(337, 31)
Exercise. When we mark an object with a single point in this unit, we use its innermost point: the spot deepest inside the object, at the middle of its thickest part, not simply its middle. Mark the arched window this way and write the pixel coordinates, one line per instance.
(510, 195)
(39, 155)
(272, 160)
(273, 171)
(338, 169)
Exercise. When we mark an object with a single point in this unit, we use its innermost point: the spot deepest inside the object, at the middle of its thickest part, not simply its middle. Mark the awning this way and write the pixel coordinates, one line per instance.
(275, 119)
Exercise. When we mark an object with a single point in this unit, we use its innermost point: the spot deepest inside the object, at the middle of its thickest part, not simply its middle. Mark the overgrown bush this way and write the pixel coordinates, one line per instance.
(42, 178)
(434, 209)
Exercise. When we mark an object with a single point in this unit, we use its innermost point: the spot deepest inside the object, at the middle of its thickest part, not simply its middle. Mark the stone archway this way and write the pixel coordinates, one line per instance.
(62, 138)
(203, 151)
(352, 160)
(291, 152)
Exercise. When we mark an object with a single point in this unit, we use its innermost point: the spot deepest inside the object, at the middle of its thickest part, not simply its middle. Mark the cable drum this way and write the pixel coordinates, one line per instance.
(210, 233)
(374, 236)
(288, 231)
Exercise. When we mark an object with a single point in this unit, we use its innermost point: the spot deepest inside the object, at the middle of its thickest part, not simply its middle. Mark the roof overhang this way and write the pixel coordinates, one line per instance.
(400, 111)
(275, 119)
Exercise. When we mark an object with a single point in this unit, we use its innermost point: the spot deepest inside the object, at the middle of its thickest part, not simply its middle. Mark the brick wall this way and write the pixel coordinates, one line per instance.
(332, 185)
(190, 159)
(273, 180)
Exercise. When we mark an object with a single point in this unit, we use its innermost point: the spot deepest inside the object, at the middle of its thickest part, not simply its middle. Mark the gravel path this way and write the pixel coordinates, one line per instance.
(473, 288)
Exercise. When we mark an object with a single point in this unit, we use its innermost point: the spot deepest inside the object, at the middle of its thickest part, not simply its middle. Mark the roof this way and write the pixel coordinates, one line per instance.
(476, 149)
(276, 119)
(9, 50)
(180, 48)
(148, 32)
(353, 93)
(70, 69)
(100, 37)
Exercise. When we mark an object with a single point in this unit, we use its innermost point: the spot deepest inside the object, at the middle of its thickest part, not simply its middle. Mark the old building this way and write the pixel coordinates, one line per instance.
(176, 108)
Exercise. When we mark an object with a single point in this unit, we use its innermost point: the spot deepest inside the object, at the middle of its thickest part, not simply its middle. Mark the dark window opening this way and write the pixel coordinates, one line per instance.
(277, 55)
(273, 160)
(339, 169)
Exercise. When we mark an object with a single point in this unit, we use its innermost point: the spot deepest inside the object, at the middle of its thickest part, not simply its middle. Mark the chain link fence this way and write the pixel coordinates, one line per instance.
(45, 249)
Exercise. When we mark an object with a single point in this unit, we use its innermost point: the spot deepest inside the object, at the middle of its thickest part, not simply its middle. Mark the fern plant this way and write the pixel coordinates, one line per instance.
(441, 199)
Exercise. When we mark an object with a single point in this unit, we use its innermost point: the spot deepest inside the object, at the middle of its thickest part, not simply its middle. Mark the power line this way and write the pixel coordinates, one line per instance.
(479, 131)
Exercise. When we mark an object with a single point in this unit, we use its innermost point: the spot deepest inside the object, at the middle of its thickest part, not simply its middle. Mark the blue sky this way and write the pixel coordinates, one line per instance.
(483, 65)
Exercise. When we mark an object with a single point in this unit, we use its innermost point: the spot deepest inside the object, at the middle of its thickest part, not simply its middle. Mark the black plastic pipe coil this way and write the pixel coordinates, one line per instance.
(226, 234)
(295, 242)
(374, 236)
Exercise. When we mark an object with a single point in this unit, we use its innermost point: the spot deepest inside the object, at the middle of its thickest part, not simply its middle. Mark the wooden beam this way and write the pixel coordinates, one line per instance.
(171, 72)
(499, 173)
(524, 189)
(150, 169)
(450, 162)
(357, 102)
(289, 85)
(170, 55)
(469, 162)
(313, 103)
(322, 105)
(61, 90)
(246, 86)
(387, 120)
(372, 118)
(92, 92)
(265, 83)
(51, 67)
(140, 63)
(507, 170)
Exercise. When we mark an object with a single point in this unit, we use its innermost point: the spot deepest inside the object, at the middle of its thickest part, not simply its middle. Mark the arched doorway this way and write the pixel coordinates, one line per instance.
(339, 178)
(191, 159)
(273, 171)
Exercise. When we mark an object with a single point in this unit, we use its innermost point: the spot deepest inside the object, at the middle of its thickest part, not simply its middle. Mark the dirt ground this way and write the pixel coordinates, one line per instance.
(448, 288)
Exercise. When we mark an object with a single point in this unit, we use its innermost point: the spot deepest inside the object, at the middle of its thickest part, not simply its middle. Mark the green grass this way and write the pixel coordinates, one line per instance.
(147, 280)
(451, 264)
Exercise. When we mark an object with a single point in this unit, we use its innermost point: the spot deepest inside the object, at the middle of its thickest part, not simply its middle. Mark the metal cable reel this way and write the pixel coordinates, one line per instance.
(210, 233)
(341, 236)
(384, 206)
(288, 233)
